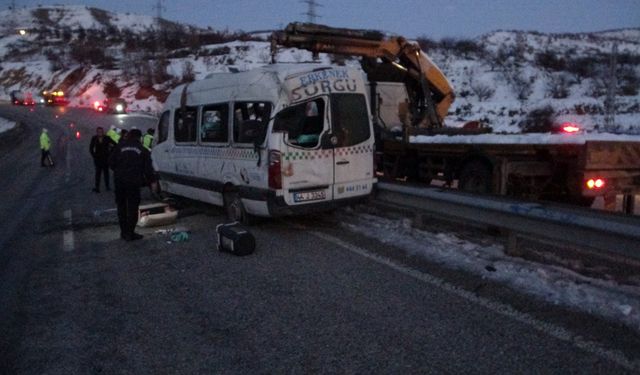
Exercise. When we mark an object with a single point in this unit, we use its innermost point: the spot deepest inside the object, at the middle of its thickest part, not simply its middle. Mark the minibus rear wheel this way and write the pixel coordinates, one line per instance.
(234, 209)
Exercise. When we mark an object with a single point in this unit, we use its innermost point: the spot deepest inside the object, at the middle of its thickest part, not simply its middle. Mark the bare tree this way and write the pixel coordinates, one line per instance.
(481, 89)
(559, 85)
(188, 72)
(522, 85)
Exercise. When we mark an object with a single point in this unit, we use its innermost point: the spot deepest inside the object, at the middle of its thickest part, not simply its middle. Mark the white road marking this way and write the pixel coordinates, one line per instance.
(549, 329)
(67, 173)
(68, 241)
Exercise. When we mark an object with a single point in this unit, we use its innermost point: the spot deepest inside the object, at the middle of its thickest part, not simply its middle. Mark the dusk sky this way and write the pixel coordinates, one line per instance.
(435, 19)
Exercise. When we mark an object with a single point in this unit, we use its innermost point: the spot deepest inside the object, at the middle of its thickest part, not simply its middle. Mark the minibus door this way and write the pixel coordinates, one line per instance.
(354, 145)
(306, 164)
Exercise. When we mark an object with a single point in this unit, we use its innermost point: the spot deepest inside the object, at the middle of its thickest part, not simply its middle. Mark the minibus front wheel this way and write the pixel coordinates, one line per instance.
(234, 209)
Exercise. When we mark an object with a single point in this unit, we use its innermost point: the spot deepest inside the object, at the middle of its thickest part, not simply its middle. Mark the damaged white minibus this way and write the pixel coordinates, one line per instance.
(277, 140)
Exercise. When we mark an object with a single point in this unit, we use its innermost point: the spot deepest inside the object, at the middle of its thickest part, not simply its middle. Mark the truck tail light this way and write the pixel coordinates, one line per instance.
(595, 183)
(570, 127)
(275, 171)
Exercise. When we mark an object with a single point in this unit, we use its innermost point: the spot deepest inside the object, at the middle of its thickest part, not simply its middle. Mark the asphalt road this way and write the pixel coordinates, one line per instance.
(314, 298)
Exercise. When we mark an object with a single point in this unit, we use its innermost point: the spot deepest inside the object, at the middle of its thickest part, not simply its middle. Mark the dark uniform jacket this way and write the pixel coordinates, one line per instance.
(101, 150)
(131, 164)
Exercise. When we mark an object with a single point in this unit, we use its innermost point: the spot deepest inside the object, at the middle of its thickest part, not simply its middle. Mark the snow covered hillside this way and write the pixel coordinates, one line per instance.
(498, 78)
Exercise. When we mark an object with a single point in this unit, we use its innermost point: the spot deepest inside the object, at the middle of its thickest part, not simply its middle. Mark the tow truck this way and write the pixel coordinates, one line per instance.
(54, 98)
(409, 99)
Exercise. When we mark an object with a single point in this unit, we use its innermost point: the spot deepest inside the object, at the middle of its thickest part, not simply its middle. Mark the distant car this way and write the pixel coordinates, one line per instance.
(114, 105)
(39, 99)
(20, 98)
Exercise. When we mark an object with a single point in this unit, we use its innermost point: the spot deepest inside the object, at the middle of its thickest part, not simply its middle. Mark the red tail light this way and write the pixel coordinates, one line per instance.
(275, 171)
(595, 183)
(77, 135)
(570, 127)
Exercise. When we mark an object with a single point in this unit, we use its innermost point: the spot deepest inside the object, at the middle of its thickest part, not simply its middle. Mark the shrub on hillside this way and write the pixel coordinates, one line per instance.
(559, 85)
(629, 82)
(188, 72)
(111, 89)
(87, 53)
(550, 61)
(539, 120)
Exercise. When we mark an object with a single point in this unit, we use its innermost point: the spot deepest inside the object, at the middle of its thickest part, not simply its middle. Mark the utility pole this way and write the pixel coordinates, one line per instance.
(160, 64)
(311, 13)
(159, 7)
(11, 25)
(312, 16)
(610, 101)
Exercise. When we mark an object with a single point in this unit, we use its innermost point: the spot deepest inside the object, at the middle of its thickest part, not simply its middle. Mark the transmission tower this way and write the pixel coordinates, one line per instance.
(610, 101)
(11, 25)
(159, 7)
(311, 13)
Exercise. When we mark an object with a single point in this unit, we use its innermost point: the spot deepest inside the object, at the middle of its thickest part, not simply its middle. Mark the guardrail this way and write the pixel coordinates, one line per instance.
(613, 233)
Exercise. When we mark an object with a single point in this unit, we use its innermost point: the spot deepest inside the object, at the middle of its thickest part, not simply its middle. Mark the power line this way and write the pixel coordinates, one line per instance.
(311, 13)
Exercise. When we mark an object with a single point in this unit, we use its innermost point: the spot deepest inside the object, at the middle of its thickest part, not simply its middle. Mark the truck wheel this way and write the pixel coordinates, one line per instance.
(234, 209)
(476, 177)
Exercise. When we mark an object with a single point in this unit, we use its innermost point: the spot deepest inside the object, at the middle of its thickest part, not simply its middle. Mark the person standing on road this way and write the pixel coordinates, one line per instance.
(147, 140)
(100, 148)
(132, 169)
(113, 134)
(122, 136)
(45, 146)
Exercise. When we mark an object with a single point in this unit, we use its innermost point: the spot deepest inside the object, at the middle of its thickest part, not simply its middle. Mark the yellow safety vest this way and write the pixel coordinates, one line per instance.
(45, 141)
(147, 141)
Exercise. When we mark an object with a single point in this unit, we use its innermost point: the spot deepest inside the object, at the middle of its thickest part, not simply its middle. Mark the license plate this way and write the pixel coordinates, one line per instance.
(309, 196)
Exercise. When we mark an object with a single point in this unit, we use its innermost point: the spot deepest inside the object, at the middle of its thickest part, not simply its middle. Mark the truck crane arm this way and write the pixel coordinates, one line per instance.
(429, 90)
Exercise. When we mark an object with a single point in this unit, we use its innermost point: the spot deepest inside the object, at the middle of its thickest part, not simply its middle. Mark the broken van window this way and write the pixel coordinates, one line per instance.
(214, 123)
(185, 125)
(303, 122)
(163, 127)
(349, 119)
(250, 121)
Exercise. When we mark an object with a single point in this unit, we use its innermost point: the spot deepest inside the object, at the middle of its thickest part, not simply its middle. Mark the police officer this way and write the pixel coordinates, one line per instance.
(131, 164)
(147, 140)
(100, 148)
(113, 134)
(45, 146)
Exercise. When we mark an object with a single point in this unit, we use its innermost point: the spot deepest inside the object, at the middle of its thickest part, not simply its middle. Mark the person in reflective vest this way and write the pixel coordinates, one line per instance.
(147, 140)
(45, 146)
(113, 134)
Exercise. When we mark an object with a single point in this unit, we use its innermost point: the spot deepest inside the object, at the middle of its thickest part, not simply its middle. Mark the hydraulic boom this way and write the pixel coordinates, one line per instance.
(385, 58)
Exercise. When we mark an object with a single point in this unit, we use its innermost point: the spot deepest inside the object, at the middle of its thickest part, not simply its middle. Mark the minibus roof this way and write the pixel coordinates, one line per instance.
(263, 83)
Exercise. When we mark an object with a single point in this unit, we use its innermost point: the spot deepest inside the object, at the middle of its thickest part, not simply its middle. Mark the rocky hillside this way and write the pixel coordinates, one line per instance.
(499, 78)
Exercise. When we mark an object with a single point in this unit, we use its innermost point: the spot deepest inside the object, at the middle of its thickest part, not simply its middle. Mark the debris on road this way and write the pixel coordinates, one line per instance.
(181, 236)
(235, 239)
(156, 214)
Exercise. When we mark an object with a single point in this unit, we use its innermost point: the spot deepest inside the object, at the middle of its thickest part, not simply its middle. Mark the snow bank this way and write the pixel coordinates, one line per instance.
(6, 125)
(537, 138)
(553, 284)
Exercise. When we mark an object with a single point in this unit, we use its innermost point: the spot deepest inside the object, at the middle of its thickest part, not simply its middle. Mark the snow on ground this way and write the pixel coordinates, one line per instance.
(553, 284)
(6, 125)
(531, 138)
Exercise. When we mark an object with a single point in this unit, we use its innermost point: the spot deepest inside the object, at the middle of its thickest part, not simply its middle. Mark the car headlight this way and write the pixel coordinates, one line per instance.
(119, 108)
